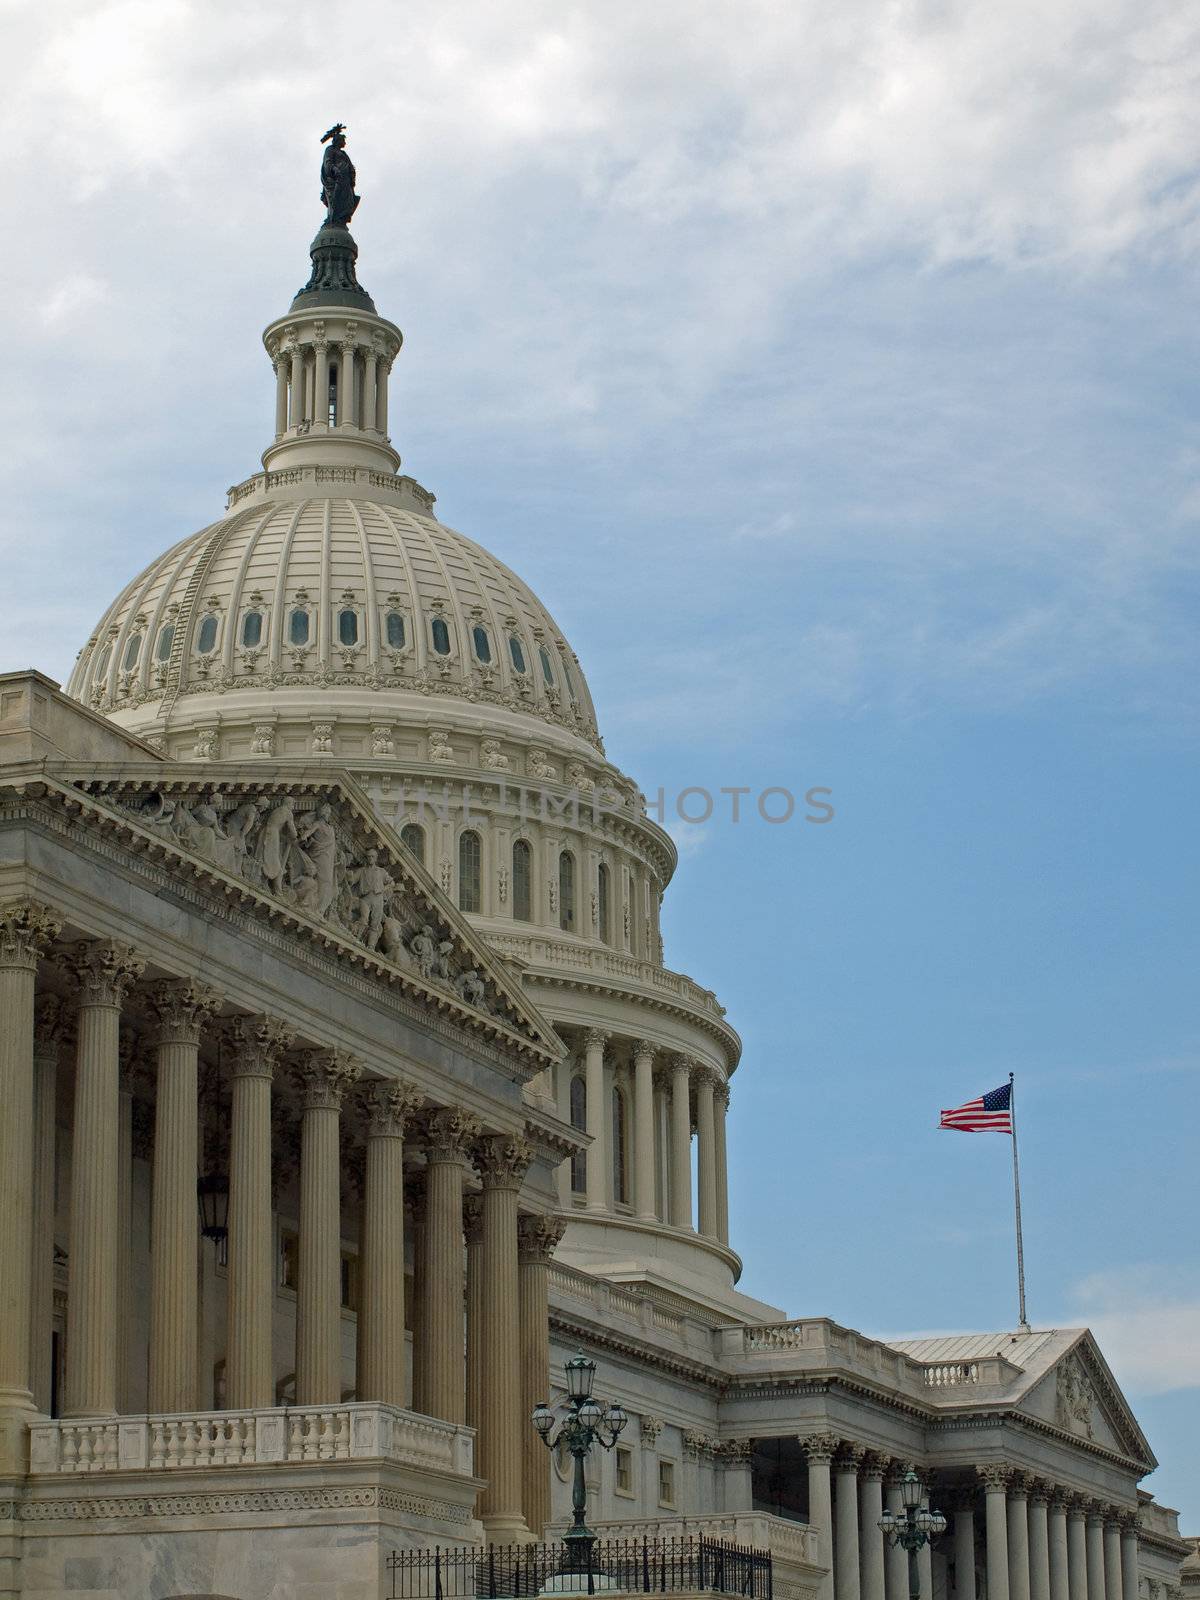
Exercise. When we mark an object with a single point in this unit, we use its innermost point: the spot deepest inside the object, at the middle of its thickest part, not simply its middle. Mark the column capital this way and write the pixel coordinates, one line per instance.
(819, 1446)
(596, 1037)
(51, 1023)
(1076, 1504)
(994, 1475)
(1131, 1524)
(1097, 1513)
(502, 1160)
(875, 1465)
(390, 1105)
(181, 1007)
(538, 1234)
(1020, 1484)
(650, 1429)
(104, 970)
(27, 928)
(735, 1452)
(849, 1457)
(257, 1042)
(702, 1075)
(682, 1064)
(643, 1048)
(1040, 1492)
(449, 1132)
(324, 1076)
(896, 1470)
(696, 1444)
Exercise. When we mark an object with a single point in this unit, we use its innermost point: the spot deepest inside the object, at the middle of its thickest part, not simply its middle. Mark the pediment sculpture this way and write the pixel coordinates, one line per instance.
(1075, 1400)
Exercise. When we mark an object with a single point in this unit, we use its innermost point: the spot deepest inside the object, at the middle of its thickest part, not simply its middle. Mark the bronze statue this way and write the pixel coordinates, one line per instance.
(337, 179)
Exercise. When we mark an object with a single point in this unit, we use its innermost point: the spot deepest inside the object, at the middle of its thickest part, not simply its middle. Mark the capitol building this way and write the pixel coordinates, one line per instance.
(348, 1092)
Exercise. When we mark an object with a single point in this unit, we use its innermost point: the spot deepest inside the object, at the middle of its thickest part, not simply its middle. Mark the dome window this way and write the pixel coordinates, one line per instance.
(578, 1104)
(566, 892)
(165, 640)
(394, 628)
(440, 634)
(206, 640)
(348, 628)
(620, 1149)
(522, 881)
(132, 650)
(252, 629)
(102, 664)
(483, 645)
(602, 903)
(516, 654)
(470, 871)
(412, 837)
(298, 627)
(547, 669)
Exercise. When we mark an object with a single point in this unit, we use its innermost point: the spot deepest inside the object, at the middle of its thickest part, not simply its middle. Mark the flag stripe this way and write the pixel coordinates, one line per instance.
(987, 1113)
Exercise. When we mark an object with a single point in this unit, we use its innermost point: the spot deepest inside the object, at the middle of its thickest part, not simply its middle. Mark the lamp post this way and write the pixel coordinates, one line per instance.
(914, 1526)
(586, 1423)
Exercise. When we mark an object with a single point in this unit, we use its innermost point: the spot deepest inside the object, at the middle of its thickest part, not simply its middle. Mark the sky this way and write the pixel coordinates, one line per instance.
(830, 372)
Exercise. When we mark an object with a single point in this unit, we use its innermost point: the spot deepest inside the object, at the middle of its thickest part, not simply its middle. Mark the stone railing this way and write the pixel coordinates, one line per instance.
(948, 1374)
(351, 1432)
(609, 1297)
(614, 964)
(793, 1543)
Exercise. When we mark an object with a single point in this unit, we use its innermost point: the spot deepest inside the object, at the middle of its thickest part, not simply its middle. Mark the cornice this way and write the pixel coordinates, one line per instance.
(1008, 1417)
(595, 983)
(608, 1338)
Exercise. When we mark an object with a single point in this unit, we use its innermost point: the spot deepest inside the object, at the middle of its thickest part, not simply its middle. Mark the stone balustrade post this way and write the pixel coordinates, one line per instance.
(103, 973)
(870, 1536)
(537, 1237)
(599, 1156)
(645, 1186)
(50, 1030)
(995, 1485)
(390, 1107)
(448, 1134)
(819, 1448)
(681, 1143)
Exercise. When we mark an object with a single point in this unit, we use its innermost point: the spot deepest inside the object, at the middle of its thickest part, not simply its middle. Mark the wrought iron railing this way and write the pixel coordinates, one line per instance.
(628, 1566)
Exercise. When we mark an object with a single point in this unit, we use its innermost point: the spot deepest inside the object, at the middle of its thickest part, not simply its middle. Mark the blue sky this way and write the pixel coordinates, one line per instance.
(851, 352)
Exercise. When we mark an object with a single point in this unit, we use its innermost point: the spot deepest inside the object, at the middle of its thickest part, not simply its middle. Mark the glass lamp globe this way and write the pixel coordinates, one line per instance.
(910, 1490)
(591, 1414)
(581, 1374)
(616, 1418)
(542, 1418)
(925, 1520)
(887, 1522)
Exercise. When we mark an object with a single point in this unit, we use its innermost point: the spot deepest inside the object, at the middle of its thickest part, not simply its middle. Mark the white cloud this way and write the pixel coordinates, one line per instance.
(1147, 1325)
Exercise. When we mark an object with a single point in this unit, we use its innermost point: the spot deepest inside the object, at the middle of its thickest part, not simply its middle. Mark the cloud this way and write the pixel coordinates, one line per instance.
(1147, 1328)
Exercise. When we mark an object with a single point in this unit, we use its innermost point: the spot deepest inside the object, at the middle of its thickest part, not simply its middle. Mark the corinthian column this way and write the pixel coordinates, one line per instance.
(325, 1075)
(599, 1157)
(995, 1482)
(895, 1560)
(846, 1575)
(50, 1027)
(1095, 1553)
(390, 1107)
(346, 388)
(257, 1044)
(1018, 1537)
(681, 1143)
(964, 1552)
(706, 1154)
(819, 1448)
(870, 1537)
(103, 973)
(1039, 1543)
(26, 929)
(448, 1134)
(1057, 1538)
(1077, 1573)
(537, 1237)
(1112, 1558)
(721, 1106)
(1129, 1556)
(644, 1183)
(473, 1235)
(181, 1008)
(502, 1161)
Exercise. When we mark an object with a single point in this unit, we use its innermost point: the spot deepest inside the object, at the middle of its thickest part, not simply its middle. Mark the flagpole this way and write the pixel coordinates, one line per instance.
(1012, 1113)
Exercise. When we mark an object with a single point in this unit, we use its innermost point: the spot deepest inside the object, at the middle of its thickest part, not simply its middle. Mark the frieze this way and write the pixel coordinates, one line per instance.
(101, 1507)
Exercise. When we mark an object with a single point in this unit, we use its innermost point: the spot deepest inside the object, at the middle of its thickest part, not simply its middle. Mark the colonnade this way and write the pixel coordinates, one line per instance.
(359, 387)
(506, 1262)
(641, 1105)
(1039, 1541)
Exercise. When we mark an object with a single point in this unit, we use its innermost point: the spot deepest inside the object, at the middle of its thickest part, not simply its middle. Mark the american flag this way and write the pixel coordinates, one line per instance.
(991, 1113)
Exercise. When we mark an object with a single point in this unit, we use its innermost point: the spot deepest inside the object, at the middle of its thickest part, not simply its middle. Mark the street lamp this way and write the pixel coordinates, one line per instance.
(586, 1423)
(914, 1526)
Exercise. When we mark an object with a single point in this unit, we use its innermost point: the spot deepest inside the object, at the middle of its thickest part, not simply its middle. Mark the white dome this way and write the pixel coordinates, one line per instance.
(297, 596)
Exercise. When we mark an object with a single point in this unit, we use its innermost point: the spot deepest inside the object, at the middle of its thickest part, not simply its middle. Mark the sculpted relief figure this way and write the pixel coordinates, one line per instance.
(471, 987)
(275, 843)
(374, 886)
(320, 846)
(424, 951)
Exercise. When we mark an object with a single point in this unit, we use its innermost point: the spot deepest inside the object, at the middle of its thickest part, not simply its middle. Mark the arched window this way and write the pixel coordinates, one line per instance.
(440, 634)
(348, 627)
(579, 1123)
(166, 639)
(620, 1149)
(102, 664)
(566, 891)
(252, 629)
(516, 654)
(132, 650)
(206, 640)
(394, 629)
(412, 837)
(602, 901)
(483, 645)
(522, 881)
(547, 669)
(470, 871)
(298, 627)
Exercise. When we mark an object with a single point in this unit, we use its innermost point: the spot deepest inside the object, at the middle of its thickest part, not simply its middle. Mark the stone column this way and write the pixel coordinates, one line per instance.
(181, 1008)
(1095, 1553)
(1039, 1543)
(281, 395)
(325, 1075)
(1077, 1576)
(129, 1058)
(1112, 1558)
(502, 1161)
(895, 1560)
(414, 1204)
(737, 1456)
(537, 1237)
(819, 1449)
(390, 1107)
(599, 1157)
(103, 972)
(448, 1132)
(644, 1179)
(721, 1106)
(964, 1553)
(473, 1234)
(870, 1539)
(681, 1143)
(1129, 1556)
(296, 409)
(321, 383)
(346, 413)
(845, 1576)
(26, 930)
(256, 1046)
(925, 1571)
(1057, 1542)
(50, 1026)
(368, 405)
(995, 1483)
(1018, 1537)
(381, 388)
(706, 1153)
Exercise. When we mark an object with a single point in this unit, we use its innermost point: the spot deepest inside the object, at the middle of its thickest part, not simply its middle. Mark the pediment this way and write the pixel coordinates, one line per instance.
(1079, 1395)
(311, 848)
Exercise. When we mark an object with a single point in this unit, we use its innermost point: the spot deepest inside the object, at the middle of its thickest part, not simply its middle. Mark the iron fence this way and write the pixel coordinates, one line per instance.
(631, 1566)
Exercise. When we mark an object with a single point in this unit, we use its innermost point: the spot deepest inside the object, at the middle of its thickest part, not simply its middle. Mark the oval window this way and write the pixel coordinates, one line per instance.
(132, 651)
(441, 636)
(348, 627)
(298, 627)
(165, 640)
(516, 653)
(547, 669)
(395, 630)
(252, 629)
(102, 664)
(207, 638)
(483, 645)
